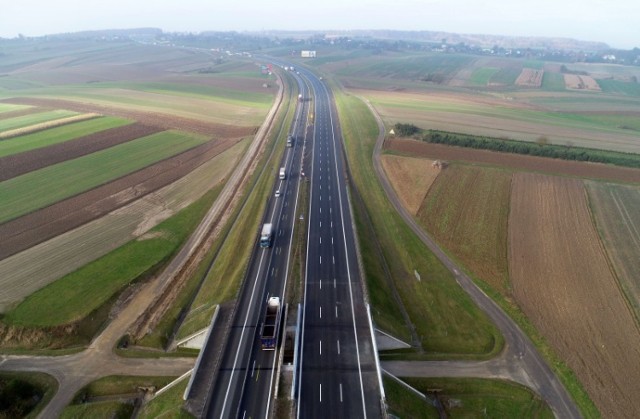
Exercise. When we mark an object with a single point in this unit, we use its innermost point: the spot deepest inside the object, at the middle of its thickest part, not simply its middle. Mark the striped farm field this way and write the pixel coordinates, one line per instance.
(34, 190)
(28, 271)
(616, 212)
(33, 119)
(47, 125)
(60, 134)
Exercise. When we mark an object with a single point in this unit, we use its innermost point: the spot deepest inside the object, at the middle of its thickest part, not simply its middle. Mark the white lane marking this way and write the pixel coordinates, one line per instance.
(320, 210)
(340, 392)
(334, 282)
(320, 311)
(253, 370)
(320, 347)
(336, 311)
(338, 347)
(320, 393)
(320, 260)
(320, 224)
(334, 259)
(331, 239)
(320, 240)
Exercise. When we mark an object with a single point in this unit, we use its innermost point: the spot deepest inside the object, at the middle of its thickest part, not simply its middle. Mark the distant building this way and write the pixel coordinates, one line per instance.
(308, 54)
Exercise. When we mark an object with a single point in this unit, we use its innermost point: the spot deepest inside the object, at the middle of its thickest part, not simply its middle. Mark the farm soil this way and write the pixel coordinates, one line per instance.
(516, 161)
(562, 281)
(36, 227)
(411, 178)
(18, 164)
(158, 120)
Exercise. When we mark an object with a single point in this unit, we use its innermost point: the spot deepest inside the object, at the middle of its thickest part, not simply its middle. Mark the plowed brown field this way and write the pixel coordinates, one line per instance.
(159, 120)
(36, 227)
(562, 280)
(18, 164)
(532, 163)
(411, 178)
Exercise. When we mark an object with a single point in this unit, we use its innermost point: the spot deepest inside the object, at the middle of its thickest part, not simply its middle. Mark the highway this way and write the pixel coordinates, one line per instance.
(246, 373)
(337, 374)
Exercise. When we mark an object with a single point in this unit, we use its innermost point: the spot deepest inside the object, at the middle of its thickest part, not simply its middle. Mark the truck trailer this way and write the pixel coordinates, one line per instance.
(265, 235)
(271, 325)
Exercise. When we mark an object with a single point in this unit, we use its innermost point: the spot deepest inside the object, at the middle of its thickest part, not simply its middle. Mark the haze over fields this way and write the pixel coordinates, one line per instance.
(613, 22)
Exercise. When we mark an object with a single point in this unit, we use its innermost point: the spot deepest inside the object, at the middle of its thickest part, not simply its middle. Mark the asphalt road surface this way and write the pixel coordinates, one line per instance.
(246, 374)
(337, 372)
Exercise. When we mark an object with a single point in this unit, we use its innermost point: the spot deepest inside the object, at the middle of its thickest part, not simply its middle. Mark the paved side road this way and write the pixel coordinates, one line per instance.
(520, 358)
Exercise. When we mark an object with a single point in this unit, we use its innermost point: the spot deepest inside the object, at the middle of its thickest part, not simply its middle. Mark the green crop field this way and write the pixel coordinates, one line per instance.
(59, 134)
(615, 209)
(466, 210)
(36, 118)
(8, 107)
(620, 87)
(506, 76)
(553, 82)
(482, 76)
(37, 189)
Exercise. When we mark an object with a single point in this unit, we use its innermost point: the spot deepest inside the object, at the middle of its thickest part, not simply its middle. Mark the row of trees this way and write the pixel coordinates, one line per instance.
(539, 148)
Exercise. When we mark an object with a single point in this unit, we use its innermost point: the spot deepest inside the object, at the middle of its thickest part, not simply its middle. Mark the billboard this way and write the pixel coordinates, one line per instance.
(308, 54)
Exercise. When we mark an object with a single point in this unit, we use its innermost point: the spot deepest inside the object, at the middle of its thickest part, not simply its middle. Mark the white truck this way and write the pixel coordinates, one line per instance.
(266, 234)
(283, 173)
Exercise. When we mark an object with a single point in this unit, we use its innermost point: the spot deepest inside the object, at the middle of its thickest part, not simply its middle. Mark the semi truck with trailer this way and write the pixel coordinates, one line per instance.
(266, 235)
(271, 325)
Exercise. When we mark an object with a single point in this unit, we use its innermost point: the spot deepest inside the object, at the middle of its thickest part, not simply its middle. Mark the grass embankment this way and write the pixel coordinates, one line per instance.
(114, 385)
(446, 321)
(25, 394)
(43, 187)
(59, 134)
(167, 405)
(36, 118)
(224, 266)
(81, 293)
(466, 397)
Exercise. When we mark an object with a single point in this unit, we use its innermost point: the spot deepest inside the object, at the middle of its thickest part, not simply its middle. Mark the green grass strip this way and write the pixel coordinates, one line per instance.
(34, 190)
(32, 119)
(60, 134)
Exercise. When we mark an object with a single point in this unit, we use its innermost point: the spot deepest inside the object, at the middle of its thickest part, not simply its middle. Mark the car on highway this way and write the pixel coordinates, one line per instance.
(278, 193)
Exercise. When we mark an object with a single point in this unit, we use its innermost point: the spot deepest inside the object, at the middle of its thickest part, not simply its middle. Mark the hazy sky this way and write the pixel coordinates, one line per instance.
(616, 22)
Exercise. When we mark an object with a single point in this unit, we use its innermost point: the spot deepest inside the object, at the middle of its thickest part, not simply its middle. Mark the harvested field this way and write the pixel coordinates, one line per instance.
(30, 270)
(46, 125)
(18, 164)
(466, 210)
(530, 77)
(577, 82)
(562, 281)
(616, 210)
(516, 161)
(159, 120)
(410, 177)
(27, 231)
